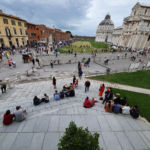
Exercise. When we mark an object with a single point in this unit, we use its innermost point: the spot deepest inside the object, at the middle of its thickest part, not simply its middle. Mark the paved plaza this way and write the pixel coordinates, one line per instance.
(96, 65)
(46, 123)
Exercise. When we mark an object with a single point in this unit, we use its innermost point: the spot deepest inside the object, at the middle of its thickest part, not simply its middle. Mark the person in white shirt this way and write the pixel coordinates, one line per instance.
(20, 114)
(126, 110)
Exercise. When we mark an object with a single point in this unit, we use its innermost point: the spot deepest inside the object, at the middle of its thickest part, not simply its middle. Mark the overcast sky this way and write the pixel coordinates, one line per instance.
(81, 17)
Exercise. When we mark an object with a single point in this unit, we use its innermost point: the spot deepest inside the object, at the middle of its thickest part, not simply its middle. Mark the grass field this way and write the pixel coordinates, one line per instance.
(86, 47)
(137, 79)
(141, 100)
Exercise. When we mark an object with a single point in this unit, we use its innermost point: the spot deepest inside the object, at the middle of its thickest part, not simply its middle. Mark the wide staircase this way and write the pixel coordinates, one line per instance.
(46, 123)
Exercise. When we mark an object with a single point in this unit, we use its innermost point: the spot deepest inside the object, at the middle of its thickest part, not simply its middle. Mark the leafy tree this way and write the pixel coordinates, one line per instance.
(77, 138)
(70, 33)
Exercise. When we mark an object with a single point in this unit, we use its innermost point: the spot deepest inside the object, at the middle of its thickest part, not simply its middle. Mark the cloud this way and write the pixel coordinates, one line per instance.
(80, 16)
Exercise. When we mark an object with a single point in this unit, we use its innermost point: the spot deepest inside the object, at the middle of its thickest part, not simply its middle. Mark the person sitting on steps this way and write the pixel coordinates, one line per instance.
(108, 106)
(134, 112)
(36, 101)
(20, 114)
(8, 118)
(56, 95)
(45, 98)
(88, 103)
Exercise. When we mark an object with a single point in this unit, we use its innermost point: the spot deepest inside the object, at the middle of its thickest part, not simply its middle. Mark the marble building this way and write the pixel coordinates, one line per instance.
(136, 28)
(117, 32)
(105, 30)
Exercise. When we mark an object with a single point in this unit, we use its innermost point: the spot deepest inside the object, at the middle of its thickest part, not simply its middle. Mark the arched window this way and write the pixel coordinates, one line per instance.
(7, 31)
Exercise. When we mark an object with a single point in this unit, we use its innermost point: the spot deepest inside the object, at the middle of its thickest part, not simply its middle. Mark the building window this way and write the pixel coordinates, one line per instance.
(19, 24)
(13, 22)
(148, 38)
(5, 21)
(26, 32)
(20, 31)
(145, 11)
(7, 31)
(15, 32)
(25, 25)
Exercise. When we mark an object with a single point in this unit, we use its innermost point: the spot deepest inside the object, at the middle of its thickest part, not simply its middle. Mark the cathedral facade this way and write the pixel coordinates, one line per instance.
(136, 28)
(105, 30)
(116, 35)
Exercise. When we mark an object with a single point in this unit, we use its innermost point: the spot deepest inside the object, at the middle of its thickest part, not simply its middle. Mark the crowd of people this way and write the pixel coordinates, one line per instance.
(117, 104)
(112, 103)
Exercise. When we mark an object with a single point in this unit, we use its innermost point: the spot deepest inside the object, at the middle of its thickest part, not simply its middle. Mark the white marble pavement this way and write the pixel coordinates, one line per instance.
(46, 123)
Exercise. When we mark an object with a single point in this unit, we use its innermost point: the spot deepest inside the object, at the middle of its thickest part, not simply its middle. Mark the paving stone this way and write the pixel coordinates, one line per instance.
(147, 134)
(37, 141)
(29, 125)
(13, 128)
(123, 140)
(103, 123)
(111, 141)
(102, 144)
(136, 140)
(64, 122)
(113, 123)
(92, 123)
(8, 141)
(42, 124)
(134, 124)
(22, 141)
(54, 123)
(144, 138)
(51, 141)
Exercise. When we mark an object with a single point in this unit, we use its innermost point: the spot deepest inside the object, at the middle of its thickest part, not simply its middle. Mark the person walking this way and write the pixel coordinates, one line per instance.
(74, 80)
(54, 82)
(80, 73)
(87, 85)
(51, 63)
(38, 61)
(33, 62)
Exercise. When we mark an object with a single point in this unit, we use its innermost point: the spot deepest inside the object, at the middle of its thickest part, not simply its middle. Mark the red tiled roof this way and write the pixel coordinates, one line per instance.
(31, 24)
(11, 16)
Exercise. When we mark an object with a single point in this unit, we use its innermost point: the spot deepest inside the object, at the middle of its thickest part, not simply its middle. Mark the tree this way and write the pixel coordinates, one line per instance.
(77, 138)
(70, 33)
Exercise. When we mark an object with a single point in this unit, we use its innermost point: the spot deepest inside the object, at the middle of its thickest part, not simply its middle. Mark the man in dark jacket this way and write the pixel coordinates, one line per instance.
(87, 85)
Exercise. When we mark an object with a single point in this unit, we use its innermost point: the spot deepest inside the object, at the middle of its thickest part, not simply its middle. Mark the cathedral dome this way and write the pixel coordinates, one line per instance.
(107, 21)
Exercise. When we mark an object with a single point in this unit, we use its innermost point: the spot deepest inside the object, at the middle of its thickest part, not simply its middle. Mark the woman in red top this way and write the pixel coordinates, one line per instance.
(8, 118)
(102, 88)
(87, 103)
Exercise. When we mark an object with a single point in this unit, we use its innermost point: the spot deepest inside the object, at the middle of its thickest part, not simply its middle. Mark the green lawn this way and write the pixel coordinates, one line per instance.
(99, 44)
(138, 79)
(81, 46)
(141, 100)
